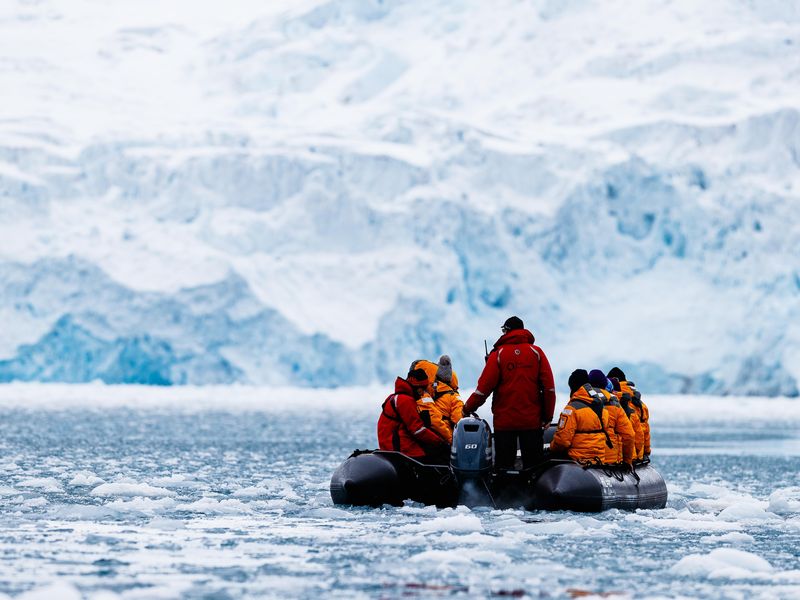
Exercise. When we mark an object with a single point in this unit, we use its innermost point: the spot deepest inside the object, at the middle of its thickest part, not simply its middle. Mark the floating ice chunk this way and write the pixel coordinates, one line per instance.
(251, 492)
(722, 563)
(734, 537)
(706, 490)
(85, 478)
(328, 513)
(8, 491)
(62, 591)
(565, 527)
(785, 501)
(81, 512)
(279, 488)
(464, 556)
(177, 481)
(35, 502)
(456, 524)
(142, 505)
(684, 520)
(45, 484)
(103, 595)
(130, 489)
(440, 556)
(745, 512)
(209, 506)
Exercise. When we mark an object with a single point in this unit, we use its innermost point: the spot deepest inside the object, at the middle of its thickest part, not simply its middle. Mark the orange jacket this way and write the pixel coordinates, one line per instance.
(431, 415)
(619, 430)
(640, 416)
(580, 430)
(447, 406)
(626, 400)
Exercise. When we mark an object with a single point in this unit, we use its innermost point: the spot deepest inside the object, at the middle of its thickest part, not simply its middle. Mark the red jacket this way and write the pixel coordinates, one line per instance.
(519, 375)
(400, 426)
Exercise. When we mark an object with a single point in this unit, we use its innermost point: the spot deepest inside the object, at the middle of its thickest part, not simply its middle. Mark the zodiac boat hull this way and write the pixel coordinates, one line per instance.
(374, 478)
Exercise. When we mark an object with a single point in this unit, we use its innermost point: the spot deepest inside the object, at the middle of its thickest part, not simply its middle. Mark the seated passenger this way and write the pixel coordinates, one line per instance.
(443, 403)
(581, 432)
(625, 402)
(619, 426)
(640, 413)
(400, 427)
(625, 398)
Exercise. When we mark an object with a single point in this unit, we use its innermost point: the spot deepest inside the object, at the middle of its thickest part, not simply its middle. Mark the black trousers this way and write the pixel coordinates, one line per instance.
(530, 442)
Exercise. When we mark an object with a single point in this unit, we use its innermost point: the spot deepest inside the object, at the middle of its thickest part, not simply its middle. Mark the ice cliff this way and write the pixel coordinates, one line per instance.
(320, 192)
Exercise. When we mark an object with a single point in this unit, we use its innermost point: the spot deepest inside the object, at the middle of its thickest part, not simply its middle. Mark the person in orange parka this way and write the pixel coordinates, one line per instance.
(400, 427)
(639, 409)
(442, 402)
(625, 398)
(581, 432)
(619, 426)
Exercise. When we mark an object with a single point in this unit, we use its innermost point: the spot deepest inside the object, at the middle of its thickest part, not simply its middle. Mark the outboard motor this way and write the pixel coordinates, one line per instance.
(471, 461)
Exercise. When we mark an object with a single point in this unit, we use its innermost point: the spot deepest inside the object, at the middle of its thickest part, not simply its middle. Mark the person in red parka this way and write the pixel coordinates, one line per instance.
(518, 373)
(400, 427)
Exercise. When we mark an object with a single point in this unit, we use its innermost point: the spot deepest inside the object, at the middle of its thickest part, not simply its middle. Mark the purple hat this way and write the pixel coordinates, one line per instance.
(598, 379)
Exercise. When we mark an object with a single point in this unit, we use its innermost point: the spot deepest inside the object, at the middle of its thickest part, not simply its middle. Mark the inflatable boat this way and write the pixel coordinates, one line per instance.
(378, 477)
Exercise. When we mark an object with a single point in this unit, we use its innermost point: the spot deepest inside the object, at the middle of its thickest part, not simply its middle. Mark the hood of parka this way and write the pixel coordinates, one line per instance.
(517, 336)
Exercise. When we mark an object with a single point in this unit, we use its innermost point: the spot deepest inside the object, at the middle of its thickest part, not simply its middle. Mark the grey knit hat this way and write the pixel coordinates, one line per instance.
(445, 370)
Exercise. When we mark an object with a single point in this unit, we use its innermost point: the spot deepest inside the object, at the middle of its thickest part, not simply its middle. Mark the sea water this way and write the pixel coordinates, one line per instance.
(184, 500)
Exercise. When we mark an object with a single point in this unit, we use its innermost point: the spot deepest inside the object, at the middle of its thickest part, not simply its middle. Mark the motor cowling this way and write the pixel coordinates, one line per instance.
(471, 450)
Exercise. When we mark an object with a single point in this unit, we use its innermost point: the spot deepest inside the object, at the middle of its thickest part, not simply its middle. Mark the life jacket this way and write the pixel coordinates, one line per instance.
(431, 414)
(400, 427)
(581, 431)
(634, 413)
(621, 431)
(644, 417)
(597, 405)
(447, 407)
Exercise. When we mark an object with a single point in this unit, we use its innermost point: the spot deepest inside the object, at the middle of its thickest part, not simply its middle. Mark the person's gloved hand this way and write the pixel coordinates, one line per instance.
(472, 402)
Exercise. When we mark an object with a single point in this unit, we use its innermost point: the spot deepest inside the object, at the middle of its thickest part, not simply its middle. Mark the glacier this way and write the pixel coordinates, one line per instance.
(316, 193)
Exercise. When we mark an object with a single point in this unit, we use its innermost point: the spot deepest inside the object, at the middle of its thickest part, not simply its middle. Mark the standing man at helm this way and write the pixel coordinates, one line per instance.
(518, 373)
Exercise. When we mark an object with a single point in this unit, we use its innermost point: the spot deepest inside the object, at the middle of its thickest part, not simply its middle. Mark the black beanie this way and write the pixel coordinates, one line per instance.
(578, 378)
(616, 372)
(513, 323)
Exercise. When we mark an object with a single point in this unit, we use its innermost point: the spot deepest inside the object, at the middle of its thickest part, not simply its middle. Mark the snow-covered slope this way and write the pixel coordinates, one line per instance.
(319, 192)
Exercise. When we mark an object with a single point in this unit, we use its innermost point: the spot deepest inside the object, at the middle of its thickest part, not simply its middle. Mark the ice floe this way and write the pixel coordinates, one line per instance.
(130, 489)
(44, 484)
(722, 563)
(785, 501)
